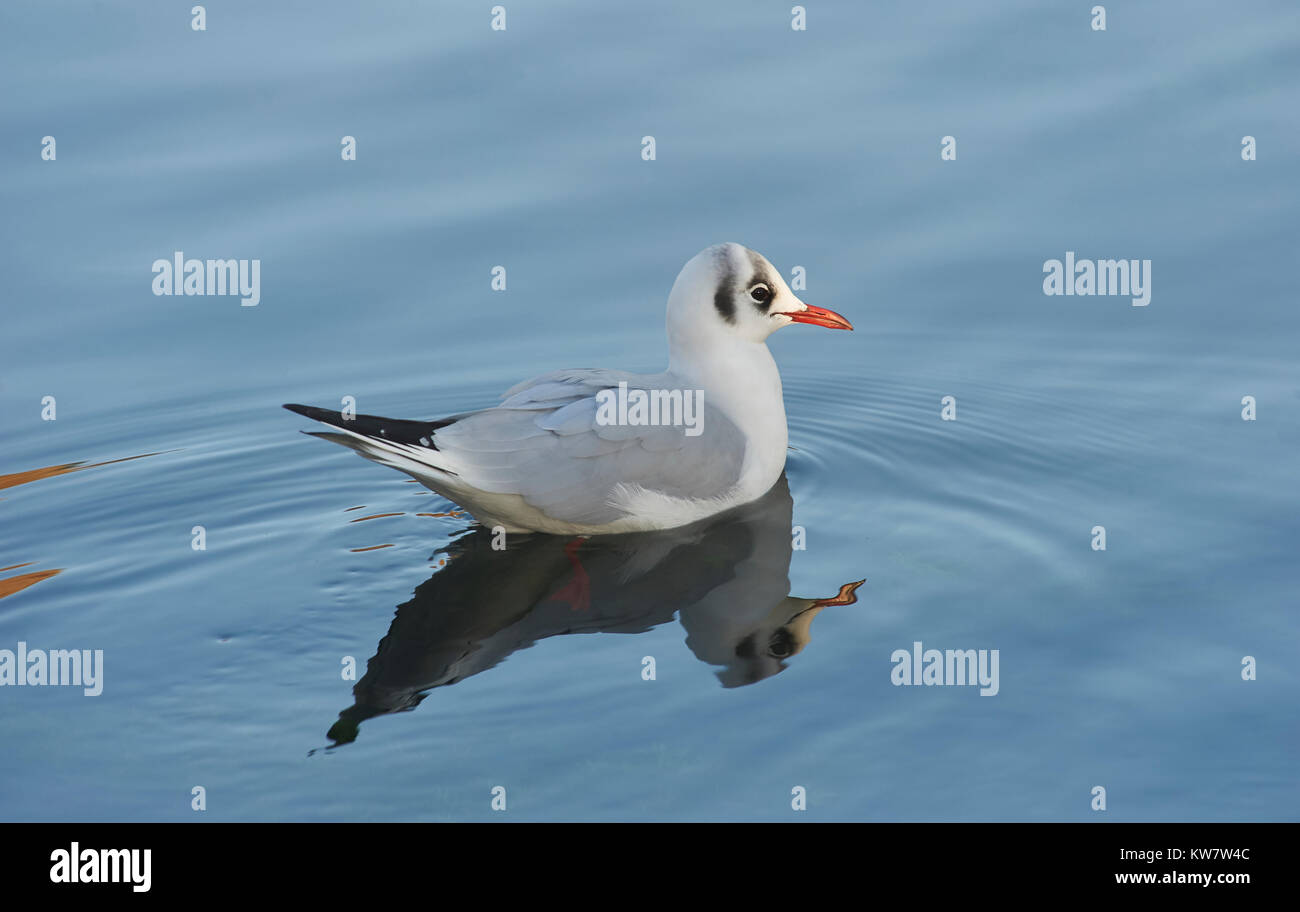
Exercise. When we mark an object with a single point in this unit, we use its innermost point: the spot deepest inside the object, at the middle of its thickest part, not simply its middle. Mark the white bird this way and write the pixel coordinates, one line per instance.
(569, 452)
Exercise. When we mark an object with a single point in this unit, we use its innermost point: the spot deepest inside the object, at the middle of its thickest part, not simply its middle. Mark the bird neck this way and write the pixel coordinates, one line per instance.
(734, 371)
(741, 380)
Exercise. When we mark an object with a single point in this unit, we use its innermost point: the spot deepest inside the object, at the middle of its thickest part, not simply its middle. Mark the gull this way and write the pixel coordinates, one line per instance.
(556, 456)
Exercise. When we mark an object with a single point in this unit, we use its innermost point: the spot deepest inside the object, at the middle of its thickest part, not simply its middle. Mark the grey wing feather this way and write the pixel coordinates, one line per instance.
(544, 443)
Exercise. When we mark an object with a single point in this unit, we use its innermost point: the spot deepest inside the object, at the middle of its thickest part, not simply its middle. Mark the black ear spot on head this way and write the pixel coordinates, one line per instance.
(722, 296)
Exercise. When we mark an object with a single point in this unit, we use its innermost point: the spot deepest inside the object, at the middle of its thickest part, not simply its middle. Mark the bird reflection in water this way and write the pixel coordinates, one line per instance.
(727, 579)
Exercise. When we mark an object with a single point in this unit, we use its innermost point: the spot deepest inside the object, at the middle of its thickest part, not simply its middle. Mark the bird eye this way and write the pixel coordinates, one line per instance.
(781, 644)
(760, 294)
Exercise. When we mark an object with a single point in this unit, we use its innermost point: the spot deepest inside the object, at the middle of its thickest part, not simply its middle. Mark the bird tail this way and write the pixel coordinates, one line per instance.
(408, 446)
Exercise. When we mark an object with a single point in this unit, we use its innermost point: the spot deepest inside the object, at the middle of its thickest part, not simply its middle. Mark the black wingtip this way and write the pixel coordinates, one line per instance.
(392, 430)
(327, 416)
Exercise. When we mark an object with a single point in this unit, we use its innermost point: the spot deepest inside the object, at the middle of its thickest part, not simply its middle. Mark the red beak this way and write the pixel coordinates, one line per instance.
(847, 596)
(820, 316)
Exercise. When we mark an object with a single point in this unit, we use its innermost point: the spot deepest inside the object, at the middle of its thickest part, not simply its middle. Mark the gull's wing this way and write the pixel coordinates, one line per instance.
(545, 444)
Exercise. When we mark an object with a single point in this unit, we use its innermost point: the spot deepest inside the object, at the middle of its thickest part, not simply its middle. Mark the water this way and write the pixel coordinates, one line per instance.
(821, 149)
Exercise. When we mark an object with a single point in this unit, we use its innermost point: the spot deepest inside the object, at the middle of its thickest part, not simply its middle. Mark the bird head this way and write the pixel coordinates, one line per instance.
(731, 291)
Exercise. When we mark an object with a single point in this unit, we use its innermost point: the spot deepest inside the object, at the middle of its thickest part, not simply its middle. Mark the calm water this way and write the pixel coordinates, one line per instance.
(1119, 668)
